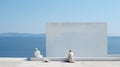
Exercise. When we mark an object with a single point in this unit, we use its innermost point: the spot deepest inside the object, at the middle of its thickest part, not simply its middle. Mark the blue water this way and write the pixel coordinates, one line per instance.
(24, 46)
(21, 46)
(113, 45)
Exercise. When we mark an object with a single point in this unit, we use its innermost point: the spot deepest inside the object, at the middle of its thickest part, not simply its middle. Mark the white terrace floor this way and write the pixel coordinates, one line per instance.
(21, 62)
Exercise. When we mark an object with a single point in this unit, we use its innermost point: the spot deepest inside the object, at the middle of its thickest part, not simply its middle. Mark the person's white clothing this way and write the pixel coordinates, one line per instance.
(37, 53)
(70, 57)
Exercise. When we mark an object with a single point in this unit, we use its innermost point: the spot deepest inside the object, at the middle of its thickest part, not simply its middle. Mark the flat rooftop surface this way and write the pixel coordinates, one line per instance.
(22, 62)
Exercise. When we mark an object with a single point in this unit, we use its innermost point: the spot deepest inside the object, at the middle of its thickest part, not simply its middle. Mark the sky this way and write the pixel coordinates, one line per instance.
(31, 16)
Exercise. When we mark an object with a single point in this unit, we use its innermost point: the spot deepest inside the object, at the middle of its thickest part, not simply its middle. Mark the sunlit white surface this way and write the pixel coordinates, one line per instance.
(84, 39)
(21, 62)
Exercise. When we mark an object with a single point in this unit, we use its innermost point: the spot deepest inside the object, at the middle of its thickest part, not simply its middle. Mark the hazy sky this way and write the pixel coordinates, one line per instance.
(31, 16)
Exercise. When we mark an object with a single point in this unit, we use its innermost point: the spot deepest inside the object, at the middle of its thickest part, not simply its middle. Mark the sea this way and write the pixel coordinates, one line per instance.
(21, 46)
(25, 46)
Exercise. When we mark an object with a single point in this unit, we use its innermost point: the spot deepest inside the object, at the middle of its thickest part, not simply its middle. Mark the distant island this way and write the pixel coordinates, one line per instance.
(21, 35)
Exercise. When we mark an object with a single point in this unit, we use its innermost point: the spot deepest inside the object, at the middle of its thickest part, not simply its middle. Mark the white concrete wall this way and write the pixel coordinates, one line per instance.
(84, 39)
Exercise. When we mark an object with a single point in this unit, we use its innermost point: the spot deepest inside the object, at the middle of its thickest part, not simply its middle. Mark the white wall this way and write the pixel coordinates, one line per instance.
(84, 39)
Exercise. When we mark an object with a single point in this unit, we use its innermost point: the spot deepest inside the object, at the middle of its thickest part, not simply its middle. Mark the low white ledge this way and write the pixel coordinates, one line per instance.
(77, 58)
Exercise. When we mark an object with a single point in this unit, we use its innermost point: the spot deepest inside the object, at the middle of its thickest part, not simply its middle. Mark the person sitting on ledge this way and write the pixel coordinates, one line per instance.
(37, 53)
(70, 57)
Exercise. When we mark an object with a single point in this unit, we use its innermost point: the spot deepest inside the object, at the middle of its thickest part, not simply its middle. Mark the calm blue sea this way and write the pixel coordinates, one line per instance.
(21, 46)
(24, 46)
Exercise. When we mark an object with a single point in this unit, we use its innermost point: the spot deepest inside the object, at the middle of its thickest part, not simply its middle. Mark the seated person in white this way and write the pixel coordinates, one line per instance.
(37, 53)
(70, 57)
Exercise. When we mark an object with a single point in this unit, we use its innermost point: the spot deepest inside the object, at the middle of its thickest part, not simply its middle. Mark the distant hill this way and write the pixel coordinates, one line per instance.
(21, 35)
